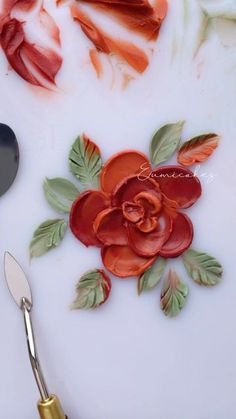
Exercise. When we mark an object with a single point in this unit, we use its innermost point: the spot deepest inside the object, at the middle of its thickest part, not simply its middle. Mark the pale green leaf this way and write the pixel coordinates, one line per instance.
(221, 18)
(173, 295)
(47, 236)
(92, 290)
(203, 268)
(226, 30)
(152, 276)
(165, 142)
(60, 193)
(186, 12)
(223, 9)
(203, 31)
(85, 162)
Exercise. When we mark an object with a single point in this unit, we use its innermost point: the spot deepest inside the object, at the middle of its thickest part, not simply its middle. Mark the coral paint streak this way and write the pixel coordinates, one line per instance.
(50, 25)
(137, 15)
(133, 55)
(96, 62)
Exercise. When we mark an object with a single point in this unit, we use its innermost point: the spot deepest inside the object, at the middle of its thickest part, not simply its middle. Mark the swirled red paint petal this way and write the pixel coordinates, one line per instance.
(83, 214)
(122, 165)
(138, 15)
(178, 184)
(149, 244)
(123, 262)
(133, 55)
(109, 227)
(25, 57)
(180, 238)
(12, 39)
(46, 61)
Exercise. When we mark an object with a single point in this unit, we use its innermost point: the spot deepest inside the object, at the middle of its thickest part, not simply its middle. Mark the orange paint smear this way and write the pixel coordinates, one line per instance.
(21, 53)
(96, 62)
(133, 55)
(136, 15)
(50, 25)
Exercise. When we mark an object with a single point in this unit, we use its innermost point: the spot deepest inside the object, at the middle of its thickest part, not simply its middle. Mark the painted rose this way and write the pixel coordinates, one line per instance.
(136, 216)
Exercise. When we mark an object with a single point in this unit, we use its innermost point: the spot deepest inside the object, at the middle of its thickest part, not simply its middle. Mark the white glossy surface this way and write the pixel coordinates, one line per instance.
(125, 360)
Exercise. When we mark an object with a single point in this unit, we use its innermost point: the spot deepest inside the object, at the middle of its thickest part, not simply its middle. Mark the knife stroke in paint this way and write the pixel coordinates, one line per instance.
(134, 210)
(39, 64)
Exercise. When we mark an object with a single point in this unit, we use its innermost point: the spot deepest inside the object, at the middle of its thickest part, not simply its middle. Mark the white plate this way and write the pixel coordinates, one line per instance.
(125, 360)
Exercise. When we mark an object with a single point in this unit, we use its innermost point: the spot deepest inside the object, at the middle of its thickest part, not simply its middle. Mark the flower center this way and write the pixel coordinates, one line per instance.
(143, 211)
(150, 203)
(133, 212)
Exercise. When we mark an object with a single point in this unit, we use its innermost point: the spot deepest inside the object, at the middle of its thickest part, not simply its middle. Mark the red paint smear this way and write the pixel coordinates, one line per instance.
(137, 15)
(17, 50)
(133, 55)
(25, 5)
(50, 25)
(96, 62)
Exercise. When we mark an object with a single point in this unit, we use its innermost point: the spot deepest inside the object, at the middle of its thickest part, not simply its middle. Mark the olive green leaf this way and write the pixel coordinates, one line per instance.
(60, 193)
(85, 162)
(152, 276)
(203, 268)
(173, 295)
(47, 236)
(92, 290)
(165, 142)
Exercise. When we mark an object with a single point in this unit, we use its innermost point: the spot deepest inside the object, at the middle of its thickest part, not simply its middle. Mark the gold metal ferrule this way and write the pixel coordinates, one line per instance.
(50, 409)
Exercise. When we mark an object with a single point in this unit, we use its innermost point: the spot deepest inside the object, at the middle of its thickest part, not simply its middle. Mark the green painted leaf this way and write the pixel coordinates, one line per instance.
(85, 162)
(92, 290)
(203, 268)
(152, 276)
(47, 236)
(165, 142)
(60, 193)
(173, 295)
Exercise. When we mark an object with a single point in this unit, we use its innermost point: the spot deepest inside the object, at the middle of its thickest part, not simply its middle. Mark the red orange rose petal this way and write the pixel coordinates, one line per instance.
(83, 214)
(180, 238)
(149, 244)
(178, 184)
(131, 186)
(109, 227)
(122, 165)
(148, 224)
(123, 262)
